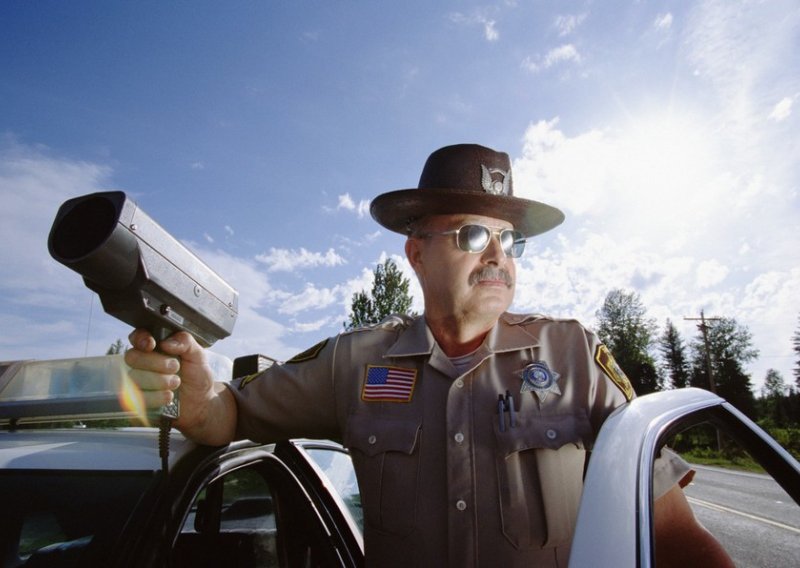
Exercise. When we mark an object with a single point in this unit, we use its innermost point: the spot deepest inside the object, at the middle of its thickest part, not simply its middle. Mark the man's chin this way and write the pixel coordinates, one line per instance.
(495, 299)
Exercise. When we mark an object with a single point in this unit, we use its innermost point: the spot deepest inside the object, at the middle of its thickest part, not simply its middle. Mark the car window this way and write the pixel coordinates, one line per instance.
(337, 465)
(70, 516)
(733, 497)
(257, 515)
(246, 502)
(231, 521)
(39, 529)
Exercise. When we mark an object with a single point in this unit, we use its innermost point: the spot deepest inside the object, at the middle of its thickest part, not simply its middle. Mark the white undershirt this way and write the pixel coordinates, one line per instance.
(462, 363)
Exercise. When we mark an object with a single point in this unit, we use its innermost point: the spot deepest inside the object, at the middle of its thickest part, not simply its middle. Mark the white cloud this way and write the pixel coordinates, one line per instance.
(663, 22)
(47, 305)
(560, 54)
(739, 48)
(312, 326)
(566, 52)
(43, 300)
(782, 109)
(710, 273)
(668, 208)
(33, 185)
(546, 170)
(361, 208)
(490, 30)
(566, 24)
(254, 332)
(768, 306)
(310, 298)
(478, 17)
(287, 260)
(663, 176)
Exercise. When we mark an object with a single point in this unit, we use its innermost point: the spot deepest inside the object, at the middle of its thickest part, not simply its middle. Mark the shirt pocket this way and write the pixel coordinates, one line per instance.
(386, 458)
(540, 465)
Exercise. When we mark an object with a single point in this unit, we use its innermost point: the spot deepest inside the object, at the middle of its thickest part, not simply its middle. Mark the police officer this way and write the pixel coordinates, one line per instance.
(468, 426)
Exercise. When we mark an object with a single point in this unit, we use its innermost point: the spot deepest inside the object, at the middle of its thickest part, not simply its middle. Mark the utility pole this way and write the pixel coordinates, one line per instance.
(709, 370)
(704, 330)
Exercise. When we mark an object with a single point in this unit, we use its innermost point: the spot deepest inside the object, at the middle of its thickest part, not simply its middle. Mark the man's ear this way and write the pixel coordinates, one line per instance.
(414, 253)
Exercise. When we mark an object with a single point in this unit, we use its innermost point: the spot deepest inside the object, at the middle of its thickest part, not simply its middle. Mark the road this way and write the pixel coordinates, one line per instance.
(754, 519)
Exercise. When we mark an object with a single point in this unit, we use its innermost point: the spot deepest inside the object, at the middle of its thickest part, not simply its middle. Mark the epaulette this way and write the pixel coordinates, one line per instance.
(393, 321)
(520, 319)
(523, 319)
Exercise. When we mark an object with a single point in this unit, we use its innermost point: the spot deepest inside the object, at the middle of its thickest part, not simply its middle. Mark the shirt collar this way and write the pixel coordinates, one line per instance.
(507, 335)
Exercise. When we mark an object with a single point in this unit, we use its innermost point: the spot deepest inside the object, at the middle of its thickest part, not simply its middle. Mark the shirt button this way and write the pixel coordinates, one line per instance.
(551, 434)
(372, 439)
(461, 505)
(459, 437)
(460, 383)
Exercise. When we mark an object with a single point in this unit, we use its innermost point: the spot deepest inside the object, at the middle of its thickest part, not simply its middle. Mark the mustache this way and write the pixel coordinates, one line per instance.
(491, 273)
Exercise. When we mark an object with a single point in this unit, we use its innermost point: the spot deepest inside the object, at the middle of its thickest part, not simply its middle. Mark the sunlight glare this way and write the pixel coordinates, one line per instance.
(670, 156)
(131, 398)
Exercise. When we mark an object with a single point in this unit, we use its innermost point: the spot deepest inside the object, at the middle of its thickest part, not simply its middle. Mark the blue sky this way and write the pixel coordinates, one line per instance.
(257, 133)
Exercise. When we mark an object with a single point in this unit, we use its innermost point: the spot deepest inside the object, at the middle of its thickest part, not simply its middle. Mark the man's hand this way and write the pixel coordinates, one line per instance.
(681, 540)
(208, 411)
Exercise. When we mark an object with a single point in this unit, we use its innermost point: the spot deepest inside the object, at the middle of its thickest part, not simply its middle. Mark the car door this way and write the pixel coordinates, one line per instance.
(254, 509)
(615, 520)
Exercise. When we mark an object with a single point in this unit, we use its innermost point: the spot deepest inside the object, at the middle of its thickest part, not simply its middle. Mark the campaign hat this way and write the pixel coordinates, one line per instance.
(464, 179)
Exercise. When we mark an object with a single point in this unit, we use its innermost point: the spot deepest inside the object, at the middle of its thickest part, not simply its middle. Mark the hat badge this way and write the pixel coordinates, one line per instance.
(495, 186)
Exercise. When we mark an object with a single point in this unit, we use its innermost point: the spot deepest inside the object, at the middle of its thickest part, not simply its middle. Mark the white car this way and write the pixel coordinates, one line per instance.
(615, 519)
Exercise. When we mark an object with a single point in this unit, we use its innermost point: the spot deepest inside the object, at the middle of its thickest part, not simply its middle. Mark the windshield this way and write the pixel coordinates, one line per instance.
(65, 517)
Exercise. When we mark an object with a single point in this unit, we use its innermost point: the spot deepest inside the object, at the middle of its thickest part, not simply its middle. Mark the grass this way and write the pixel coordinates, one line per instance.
(737, 463)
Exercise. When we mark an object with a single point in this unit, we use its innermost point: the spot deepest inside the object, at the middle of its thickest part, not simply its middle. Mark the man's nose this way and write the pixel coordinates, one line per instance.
(494, 254)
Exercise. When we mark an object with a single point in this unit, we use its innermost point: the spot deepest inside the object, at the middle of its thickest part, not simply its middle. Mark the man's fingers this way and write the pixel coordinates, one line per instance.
(153, 362)
(148, 381)
(142, 340)
(183, 345)
(157, 399)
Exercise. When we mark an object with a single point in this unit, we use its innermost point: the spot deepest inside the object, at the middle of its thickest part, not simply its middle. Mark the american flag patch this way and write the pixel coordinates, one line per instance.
(388, 384)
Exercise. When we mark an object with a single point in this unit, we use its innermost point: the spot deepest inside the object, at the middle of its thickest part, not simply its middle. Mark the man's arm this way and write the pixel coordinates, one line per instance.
(208, 410)
(680, 539)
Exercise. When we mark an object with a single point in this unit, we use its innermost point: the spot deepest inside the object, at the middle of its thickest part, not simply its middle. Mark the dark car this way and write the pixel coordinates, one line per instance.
(83, 495)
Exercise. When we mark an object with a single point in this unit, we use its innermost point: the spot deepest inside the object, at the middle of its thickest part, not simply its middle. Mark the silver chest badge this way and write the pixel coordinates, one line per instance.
(495, 186)
(539, 379)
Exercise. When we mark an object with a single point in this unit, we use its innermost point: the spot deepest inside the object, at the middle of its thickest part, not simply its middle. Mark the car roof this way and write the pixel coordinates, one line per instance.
(130, 449)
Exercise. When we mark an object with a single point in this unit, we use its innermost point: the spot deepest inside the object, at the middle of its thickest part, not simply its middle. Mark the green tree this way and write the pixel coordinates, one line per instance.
(774, 385)
(774, 404)
(730, 348)
(389, 295)
(116, 348)
(796, 346)
(673, 352)
(629, 335)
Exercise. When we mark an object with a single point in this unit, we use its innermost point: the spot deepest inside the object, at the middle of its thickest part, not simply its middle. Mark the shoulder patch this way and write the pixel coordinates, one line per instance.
(613, 371)
(308, 354)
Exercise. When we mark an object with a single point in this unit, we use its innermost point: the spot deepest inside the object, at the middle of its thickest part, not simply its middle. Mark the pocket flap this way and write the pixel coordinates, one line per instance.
(373, 435)
(550, 432)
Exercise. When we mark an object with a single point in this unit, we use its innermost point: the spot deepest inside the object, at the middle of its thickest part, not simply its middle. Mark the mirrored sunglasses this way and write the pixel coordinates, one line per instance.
(475, 239)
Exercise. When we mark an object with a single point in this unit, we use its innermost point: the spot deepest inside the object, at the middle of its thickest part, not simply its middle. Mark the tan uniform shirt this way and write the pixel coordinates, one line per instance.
(445, 468)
